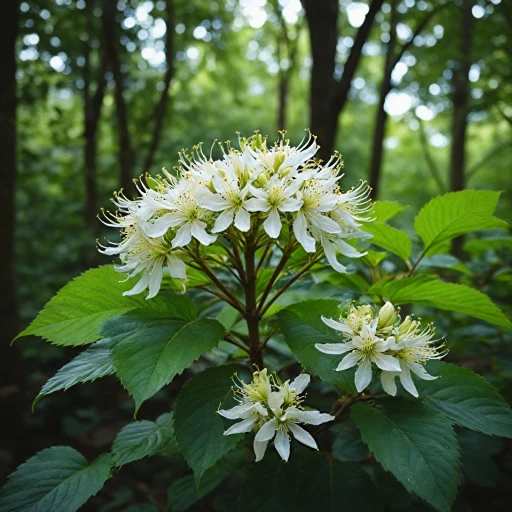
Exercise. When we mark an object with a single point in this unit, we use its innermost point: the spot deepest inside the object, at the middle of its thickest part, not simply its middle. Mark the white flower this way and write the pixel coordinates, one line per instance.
(363, 350)
(273, 410)
(230, 200)
(141, 254)
(413, 351)
(276, 197)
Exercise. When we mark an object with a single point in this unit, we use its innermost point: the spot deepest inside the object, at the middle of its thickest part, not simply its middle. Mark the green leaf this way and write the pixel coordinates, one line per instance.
(348, 445)
(92, 364)
(142, 439)
(151, 356)
(416, 444)
(479, 246)
(453, 214)
(438, 294)
(467, 399)
(183, 493)
(57, 479)
(199, 429)
(327, 485)
(374, 258)
(444, 261)
(302, 327)
(75, 314)
(270, 486)
(391, 239)
(382, 211)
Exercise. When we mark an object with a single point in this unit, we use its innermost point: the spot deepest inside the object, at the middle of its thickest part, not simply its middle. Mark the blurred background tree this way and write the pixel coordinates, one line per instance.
(416, 95)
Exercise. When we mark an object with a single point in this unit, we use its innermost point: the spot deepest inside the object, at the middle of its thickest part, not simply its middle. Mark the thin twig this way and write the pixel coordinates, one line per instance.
(230, 339)
(271, 333)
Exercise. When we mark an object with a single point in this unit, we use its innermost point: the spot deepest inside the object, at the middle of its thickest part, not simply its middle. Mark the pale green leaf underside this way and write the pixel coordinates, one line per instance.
(453, 214)
(199, 429)
(75, 314)
(150, 357)
(416, 444)
(389, 238)
(441, 295)
(93, 363)
(57, 479)
(302, 327)
(142, 439)
(467, 399)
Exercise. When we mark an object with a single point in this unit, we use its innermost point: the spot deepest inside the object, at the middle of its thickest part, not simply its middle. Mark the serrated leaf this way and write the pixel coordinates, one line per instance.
(92, 364)
(389, 238)
(151, 356)
(57, 479)
(142, 439)
(348, 445)
(444, 261)
(302, 327)
(75, 314)
(326, 485)
(270, 486)
(467, 399)
(416, 444)
(453, 214)
(382, 211)
(199, 429)
(438, 294)
(183, 493)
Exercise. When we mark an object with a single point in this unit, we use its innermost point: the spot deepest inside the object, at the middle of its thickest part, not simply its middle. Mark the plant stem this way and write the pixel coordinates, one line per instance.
(252, 316)
(239, 344)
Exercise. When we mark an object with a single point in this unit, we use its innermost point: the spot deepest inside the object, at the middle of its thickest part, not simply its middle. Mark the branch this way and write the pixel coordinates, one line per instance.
(161, 106)
(230, 339)
(343, 86)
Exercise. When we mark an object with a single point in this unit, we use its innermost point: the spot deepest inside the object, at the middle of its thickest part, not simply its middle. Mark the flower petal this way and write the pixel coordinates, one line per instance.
(338, 326)
(282, 444)
(267, 431)
(407, 382)
(242, 426)
(350, 360)
(363, 375)
(302, 436)
(199, 233)
(259, 449)
(176, 267)
(300, 229)
(300, 383)
(386, 362)
(272, 224)
(243, 219)
(333, 348)
(183, 236)
(223, 221)
(387, 380)
(308, 417)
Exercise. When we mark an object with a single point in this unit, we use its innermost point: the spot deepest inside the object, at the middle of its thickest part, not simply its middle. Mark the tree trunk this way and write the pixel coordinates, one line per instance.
(125, 144)
(11, 374)
(381, 114)
(92, 113)
(460, 100)
(328, 97)
(161, 107)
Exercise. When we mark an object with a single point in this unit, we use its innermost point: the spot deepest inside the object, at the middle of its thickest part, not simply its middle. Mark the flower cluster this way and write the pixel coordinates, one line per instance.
(397, 348)
(256, 187)
(272, 410)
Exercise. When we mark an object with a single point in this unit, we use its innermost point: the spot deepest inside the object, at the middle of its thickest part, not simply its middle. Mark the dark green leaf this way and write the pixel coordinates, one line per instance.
(199, 429)
(56, 479)
(348, 445)
(467, 399)
(438, 294)
(270, 486)
(302, 327)
(142, 439)
(75, 314)
(93, 363)
(150, 357)
(416, 444)
(327, 485)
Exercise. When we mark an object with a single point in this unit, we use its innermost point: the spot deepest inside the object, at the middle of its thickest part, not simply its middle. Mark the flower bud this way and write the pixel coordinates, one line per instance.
(263, 179)
(387, 315)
